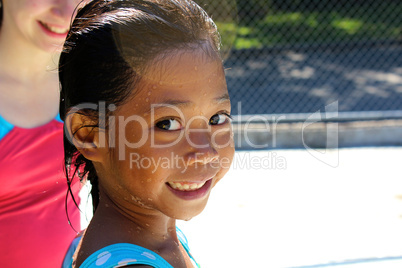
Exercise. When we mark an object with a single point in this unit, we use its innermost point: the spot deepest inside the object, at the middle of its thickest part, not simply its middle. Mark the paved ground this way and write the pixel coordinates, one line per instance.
(286, 208)
(360, 78)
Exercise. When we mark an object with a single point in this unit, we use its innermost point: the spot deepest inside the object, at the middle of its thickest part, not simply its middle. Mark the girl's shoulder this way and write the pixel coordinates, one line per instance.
(124, 254)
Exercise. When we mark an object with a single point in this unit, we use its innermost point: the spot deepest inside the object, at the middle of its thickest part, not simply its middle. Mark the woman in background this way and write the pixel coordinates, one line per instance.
(34, 230)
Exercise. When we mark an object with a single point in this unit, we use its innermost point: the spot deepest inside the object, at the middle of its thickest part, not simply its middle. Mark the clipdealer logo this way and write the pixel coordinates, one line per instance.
(330, 154)
(327, 154)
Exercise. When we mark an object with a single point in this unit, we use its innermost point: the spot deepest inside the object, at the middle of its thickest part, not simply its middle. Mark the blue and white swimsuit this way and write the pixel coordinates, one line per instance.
(124, 254)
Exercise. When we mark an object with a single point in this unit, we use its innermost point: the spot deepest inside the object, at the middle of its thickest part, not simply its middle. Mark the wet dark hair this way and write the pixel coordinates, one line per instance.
(1, 13)
(109, 45)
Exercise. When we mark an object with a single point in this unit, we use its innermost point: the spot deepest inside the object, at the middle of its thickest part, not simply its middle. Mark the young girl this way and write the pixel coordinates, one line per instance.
(33, 222)
(147, 122)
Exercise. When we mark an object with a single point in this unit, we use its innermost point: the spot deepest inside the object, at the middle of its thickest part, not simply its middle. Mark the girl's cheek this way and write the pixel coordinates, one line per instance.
(165, 139)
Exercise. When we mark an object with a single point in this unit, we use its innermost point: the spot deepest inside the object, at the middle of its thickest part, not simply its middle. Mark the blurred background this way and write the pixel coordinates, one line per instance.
(296, 56)
(316, 91)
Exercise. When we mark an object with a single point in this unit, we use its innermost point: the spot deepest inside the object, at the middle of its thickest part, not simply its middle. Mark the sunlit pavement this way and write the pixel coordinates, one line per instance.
(290, 208)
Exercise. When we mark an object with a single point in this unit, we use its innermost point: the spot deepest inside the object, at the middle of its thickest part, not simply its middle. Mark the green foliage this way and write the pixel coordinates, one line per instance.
(273, 23)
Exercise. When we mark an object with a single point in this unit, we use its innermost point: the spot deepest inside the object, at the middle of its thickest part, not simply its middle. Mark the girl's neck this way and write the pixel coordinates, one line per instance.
(151, 230)
(141, 220)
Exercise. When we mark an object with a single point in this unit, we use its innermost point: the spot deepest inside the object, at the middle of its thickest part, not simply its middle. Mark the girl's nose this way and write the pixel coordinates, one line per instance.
(202, 156)
(202, 148)
(199, 139)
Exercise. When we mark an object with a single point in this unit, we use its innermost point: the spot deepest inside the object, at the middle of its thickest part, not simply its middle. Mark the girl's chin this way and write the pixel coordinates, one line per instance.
(190, 213)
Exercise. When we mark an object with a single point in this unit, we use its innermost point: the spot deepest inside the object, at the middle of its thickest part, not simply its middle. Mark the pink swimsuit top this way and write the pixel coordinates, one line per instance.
(34, 230)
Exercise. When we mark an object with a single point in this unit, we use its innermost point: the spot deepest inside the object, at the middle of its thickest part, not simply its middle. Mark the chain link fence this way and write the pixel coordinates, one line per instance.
(297, 57)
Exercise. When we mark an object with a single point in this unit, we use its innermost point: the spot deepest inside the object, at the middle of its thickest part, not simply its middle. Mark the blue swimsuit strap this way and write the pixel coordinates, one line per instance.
(5, 127)
(183, 240)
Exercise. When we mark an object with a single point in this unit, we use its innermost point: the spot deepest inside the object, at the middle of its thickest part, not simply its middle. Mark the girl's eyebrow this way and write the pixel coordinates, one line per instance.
(177, 103)
(168, 103)
(220, 99)
(185, 103)
(223, 98)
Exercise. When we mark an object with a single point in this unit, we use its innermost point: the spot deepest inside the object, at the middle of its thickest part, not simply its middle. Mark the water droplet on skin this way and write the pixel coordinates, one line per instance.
(149, 93)
(147, 99)
(196, 68)
(136, 105)
(150, 199)
(112, 107)
(160, 83)
(209, 80)
(136, 199)
(154, 86)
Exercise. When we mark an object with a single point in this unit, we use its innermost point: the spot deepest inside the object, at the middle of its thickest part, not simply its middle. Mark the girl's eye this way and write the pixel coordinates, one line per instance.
(169, 124)
(218, 119)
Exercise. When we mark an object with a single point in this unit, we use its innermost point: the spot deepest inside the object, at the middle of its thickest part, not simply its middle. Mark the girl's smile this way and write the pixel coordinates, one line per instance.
(189, 190)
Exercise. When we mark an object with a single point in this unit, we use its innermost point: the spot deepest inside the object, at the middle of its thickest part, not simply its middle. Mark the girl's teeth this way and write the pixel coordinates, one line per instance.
(186, 186)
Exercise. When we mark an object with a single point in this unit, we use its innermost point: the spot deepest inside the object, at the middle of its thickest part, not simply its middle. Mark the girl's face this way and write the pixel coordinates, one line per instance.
(41, 23)
(173, 138)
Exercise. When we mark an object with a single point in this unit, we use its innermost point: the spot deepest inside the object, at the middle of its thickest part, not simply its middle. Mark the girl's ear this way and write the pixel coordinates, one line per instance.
(83, 132)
